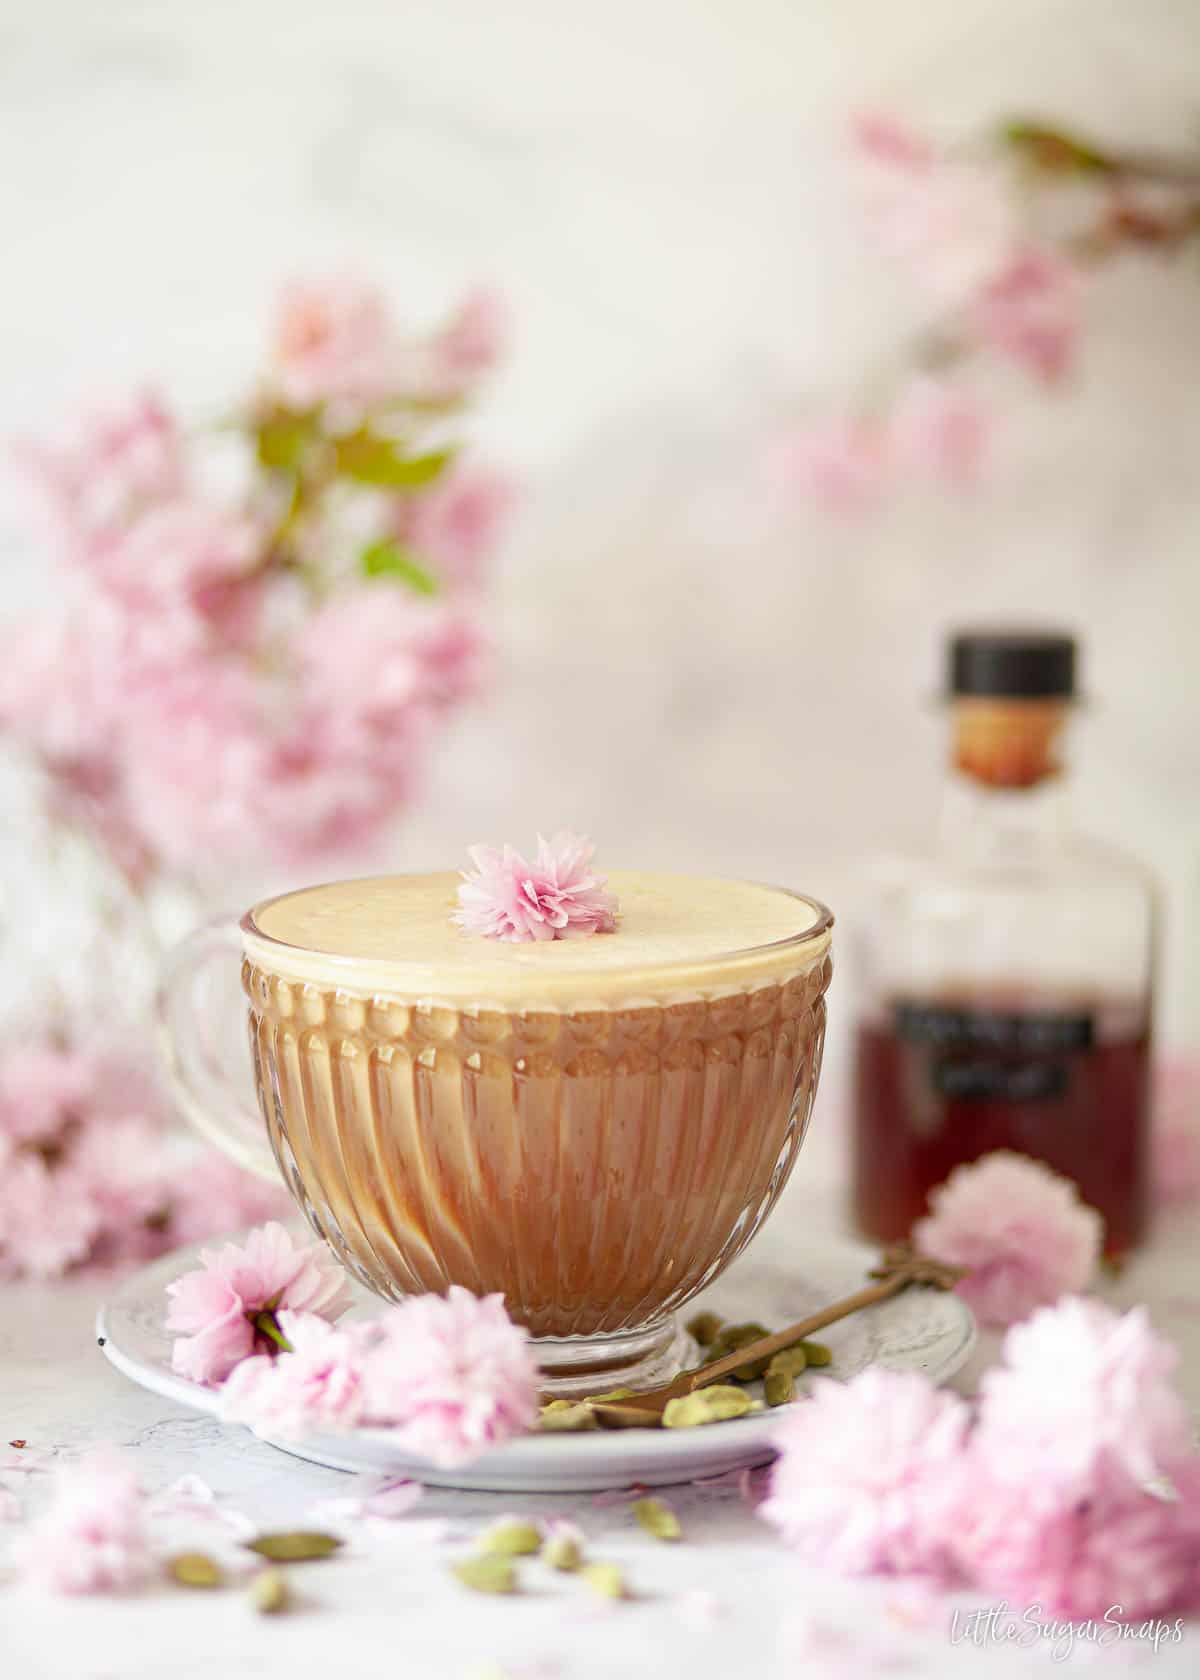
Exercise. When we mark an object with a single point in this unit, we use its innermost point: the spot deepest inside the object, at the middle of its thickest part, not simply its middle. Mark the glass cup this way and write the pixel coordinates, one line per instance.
(596, 1152)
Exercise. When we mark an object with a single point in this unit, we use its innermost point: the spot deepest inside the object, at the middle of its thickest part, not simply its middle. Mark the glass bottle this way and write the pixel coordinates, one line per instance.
(1006, 980)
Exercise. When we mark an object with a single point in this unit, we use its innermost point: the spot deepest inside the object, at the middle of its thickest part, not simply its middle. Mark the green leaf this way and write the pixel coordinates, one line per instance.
(282, 440)
(380, 462)
(391, 559)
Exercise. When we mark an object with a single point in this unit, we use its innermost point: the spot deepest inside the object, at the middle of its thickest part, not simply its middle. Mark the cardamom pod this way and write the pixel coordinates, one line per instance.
(486, 1574)
(788, 1362)
(607, 1579)
(269, 1592)
(657, 1518)
(562, 1551)
(195, 1569)
(562, 1416)
(510, 1537)
(705, 1327)
(779, 1387)
(613, 1394)
(817, 1353)
(298, 1546)
(708, 1405)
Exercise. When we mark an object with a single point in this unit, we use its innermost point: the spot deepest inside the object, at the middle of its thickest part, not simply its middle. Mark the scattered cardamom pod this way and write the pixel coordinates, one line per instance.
(779, 1387)
(562, 1551)
(195, 1569)
(817, 1353)
(788, 1362)
(708, 1405)
(733, 1337)
(510, 1537)
(657, 1518)
(269, 1592)
(705, 1327)
(607, 1579)
(613, 1394)
(486, 1574)
(298, 1546)
(565, 1415)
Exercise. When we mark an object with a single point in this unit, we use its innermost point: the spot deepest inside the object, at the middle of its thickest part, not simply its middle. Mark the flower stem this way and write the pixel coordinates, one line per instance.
(266, 1324)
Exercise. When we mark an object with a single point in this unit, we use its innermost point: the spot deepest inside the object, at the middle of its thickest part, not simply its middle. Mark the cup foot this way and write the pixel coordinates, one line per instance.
(576, 1366)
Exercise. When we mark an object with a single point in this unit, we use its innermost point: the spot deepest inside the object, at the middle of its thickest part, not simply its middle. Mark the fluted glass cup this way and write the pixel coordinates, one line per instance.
(597, 1152)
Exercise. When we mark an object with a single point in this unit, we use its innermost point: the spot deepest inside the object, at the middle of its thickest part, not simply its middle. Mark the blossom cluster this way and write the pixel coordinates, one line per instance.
(557, 896)
(89, 1173)
(1076, 1486)
(449, 1376)
(262, 629)
(998, 270)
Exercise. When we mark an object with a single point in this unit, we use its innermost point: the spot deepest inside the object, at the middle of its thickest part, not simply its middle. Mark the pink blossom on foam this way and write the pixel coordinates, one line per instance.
(840, 462)
(1029, 310)
(457, 522)
(1021, 1229)
(315, 1388)
(1081, 1386)
(212, 1309)
(1175, 1140)
(48, 1220)
(93, 1537)
(940, 430)
(558, 896)
(334, 340)
(119, 457)
(867, 1473)
(452, 1375)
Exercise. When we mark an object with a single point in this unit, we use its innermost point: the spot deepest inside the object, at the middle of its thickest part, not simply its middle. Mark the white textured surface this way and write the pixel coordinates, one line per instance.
(656, 184)
(386, 1606)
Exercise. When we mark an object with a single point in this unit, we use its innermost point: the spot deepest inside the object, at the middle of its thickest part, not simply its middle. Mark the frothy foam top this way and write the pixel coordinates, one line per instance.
(393, 933)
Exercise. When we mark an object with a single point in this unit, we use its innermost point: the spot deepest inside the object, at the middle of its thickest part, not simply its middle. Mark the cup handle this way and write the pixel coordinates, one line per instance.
(198, 1063)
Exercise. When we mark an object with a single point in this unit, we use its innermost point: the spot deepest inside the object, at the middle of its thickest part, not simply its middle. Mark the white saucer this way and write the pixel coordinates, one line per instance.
(922, 1330)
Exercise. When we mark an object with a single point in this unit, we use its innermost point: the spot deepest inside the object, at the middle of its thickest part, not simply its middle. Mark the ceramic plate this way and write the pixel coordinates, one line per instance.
(921, 1330)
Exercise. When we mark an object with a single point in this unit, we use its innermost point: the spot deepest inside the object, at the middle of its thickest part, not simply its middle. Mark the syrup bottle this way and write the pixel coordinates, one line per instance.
(1007, 980)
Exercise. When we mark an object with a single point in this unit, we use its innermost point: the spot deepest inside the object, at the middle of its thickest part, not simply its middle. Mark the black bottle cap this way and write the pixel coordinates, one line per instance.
(1012, 664)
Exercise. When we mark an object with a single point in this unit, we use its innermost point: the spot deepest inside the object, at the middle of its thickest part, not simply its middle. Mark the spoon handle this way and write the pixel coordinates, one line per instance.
(765, 1346)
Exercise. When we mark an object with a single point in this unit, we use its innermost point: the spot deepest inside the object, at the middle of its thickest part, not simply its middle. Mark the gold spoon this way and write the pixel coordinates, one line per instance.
(899, 1268)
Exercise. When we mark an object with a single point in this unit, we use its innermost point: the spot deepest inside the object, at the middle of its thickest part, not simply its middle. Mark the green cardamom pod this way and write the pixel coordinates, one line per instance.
(657, 1518)
(486, 1574)
(510, 1537)
(563, 1416)
(779, 1387)
(817, 1353)
(708, 1405)
(294, 1547)
(269, 1592)
(562, 1551)
(195, 1569)
(605, 1578)
(613, 1394)
(788, 1362)
(705, 1327)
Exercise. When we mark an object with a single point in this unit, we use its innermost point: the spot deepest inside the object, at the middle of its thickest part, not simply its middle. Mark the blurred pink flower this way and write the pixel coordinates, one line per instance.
(1176, 1136)
(1118, 1551)
(939, 429)
(370, 656)
(93, 1537)
(457, 523)
(48, 1220)
(212, 1309)
(118, 1163)
(841, 463)
(558, 896)
(453, 1375)
(1021, 1229)
(1081, 1386)
(189, 551)
(316, 1388)
(213, 1198)
(43, 1086)
(1029, 310)
(118, 458)
(867, 1473)
(885, 138)
(334, 341)
(472, 342)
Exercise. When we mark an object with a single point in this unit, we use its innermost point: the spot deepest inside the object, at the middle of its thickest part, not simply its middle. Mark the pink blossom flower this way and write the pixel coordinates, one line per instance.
(213, 1197)
(213, 1309)
(314, 1388)
(48, 1220)
(457, 522)
(93, 1537)
(377, 1499)
(452, 1375)
(1117, 1551)
(372, 655)
(1021, 1229)
(885, 138)
(119, 457)
(867, 1473)
(556, 897)
(471, 343)
(841, 463)
(1081, 1385)
(189, 550)
(334, 340)
(1176, 1136)
(1029, 310)
(939, 429)
(43, 1086)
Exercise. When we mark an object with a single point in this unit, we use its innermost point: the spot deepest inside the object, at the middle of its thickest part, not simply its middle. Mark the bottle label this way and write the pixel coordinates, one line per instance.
(991, 1055)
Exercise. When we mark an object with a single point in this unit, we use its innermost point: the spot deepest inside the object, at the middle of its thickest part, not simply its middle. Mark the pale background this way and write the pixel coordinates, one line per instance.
(658, 187)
